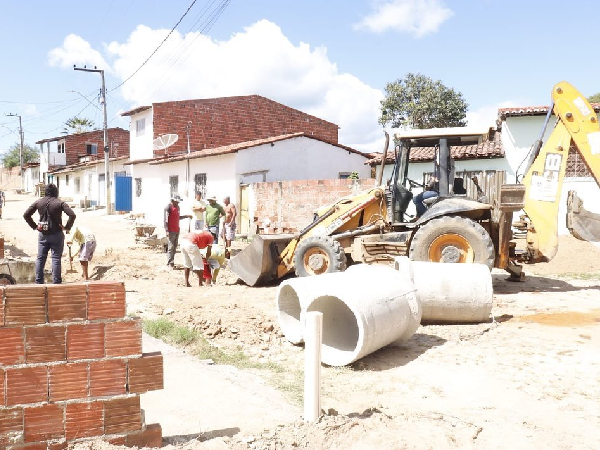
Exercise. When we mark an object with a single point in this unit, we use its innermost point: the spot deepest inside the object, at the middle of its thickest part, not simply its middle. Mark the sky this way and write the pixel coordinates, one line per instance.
(330, 58)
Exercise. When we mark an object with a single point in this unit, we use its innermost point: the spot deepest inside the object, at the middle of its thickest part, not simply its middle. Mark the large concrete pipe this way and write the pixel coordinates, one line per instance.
(293, 297)
(364, 309)
(450, 293)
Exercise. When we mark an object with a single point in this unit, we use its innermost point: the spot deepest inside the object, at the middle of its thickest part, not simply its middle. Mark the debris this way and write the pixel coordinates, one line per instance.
(168, 311)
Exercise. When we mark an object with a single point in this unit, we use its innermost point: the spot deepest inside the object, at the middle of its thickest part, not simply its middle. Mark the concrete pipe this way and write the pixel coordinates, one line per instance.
(450, 293)
(364, 309)
(293, 297)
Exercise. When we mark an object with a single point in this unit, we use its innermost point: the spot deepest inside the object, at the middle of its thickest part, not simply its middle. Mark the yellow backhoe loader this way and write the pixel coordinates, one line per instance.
(373, 225)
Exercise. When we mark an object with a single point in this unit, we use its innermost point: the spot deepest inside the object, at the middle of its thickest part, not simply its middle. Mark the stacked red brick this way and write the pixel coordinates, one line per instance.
(72, 368)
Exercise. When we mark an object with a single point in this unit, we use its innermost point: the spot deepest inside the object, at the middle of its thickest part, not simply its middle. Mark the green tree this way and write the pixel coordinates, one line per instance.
(416, 101)
(11, 158)
(78, 125)
(594, 98)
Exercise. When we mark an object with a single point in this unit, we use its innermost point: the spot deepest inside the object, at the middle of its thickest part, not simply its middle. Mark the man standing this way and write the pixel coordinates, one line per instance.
(172, 219)
(1, 202)
(198, 208)
(214, 212)
(87, 247)
(229, 225)
(191, 244)
(50, 227)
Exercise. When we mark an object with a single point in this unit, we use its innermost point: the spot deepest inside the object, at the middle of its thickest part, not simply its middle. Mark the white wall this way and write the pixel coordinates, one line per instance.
(220, 181)
(140, 147)
(299, 158)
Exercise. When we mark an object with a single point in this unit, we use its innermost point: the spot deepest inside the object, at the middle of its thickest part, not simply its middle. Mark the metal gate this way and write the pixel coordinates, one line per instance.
(123, 193)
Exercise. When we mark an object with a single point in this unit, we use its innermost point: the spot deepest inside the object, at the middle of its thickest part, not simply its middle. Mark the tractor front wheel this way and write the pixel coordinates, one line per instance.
(319, 254)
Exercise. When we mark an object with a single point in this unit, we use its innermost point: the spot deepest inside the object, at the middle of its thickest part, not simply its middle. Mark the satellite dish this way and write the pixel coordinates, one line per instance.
(165, 141)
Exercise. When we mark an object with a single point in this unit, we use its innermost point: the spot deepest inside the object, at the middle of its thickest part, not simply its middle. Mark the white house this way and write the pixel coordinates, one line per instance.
(224, 171)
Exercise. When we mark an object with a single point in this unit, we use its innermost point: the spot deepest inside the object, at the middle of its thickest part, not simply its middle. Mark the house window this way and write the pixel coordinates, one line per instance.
(174, 185)
(61, 147)
(77, 185)
(344, 175)
(92, 149)
(200, 184)
(67, 180)
(140, 127)
(576, 166)
(138, 187)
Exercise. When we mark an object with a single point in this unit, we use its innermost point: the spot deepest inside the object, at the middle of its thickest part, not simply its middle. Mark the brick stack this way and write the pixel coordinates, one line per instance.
(72, 368)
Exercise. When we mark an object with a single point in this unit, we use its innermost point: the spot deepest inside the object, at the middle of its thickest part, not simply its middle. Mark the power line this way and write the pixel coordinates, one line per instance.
(156, 49)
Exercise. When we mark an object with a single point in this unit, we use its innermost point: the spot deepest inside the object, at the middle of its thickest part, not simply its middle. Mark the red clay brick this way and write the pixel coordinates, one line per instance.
(25, 305)
(12, 347)
(119, 440)
(85, 341)
(108, 377)
(123, 338)
(45, 344)
(145, 373)
(45, 422)
(11, 426)
(68, 381)
(26, 385)
(67, 302)
(122, 415)
(150, 437)
(37, 446)
(84, 420)
(58, 445)
(106, 300)
(1, 306)
(2, 388)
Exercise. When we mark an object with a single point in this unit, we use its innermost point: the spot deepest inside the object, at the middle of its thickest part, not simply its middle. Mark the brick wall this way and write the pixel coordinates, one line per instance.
(72, 368)
(229, 120)
(76, 144)
(289, 205)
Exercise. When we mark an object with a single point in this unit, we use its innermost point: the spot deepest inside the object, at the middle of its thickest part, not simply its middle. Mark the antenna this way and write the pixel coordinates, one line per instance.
(165, 141)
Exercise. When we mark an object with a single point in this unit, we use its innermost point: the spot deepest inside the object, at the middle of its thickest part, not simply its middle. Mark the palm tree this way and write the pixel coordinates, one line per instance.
(78, 125)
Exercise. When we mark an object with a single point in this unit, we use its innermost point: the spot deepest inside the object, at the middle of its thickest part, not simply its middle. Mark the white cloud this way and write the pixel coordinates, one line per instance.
(76, 51)
(416, 17)
(485, 116)
(259, 60)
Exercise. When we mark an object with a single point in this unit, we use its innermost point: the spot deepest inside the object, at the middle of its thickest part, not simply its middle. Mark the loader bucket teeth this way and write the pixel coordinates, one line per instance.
(257, 263)
(582, 224)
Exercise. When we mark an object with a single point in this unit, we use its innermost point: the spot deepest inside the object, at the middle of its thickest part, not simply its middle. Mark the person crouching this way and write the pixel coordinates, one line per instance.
(191, 244)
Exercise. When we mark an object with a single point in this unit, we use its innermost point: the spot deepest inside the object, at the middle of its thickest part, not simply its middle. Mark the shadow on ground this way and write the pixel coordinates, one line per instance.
(534, 283)
(200, 437)
(391, 357)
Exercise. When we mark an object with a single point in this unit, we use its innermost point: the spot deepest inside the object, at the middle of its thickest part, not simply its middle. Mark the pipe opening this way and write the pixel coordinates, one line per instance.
(289, 311)
(341, 331)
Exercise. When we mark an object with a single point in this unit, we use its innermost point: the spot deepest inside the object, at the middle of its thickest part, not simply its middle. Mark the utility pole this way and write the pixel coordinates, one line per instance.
(105, 145)
(21, 150)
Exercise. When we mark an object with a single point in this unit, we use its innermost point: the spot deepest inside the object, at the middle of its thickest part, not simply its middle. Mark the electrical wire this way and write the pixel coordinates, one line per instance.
(156, 49)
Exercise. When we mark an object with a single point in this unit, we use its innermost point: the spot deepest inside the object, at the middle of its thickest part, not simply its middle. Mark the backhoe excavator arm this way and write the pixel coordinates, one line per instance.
(576, 124)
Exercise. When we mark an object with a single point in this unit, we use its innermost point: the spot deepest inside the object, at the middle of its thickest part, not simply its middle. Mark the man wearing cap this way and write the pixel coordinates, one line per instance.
(191, 244)
(172, 219)
(214, 212)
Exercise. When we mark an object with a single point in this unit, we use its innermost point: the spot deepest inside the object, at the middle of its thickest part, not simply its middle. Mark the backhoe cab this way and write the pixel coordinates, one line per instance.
(374, 226)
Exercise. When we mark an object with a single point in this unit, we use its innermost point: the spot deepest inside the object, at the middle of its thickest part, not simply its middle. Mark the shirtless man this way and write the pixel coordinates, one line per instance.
(229, 224)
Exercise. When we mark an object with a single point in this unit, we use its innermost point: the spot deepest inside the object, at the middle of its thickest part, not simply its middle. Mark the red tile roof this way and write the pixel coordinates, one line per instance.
(135, 110)
(503, 113)
(233, 148)
(488, 149)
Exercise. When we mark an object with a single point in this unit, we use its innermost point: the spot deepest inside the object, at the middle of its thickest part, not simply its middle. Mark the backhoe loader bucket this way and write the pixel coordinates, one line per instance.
(257, 263)
(582, 224)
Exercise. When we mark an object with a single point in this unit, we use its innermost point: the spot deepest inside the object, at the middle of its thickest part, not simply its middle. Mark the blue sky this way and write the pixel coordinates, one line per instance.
(329, 58)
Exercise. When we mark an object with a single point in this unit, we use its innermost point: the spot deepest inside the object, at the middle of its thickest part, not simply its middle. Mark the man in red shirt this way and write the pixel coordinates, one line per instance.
(172, 219)
(191, 244)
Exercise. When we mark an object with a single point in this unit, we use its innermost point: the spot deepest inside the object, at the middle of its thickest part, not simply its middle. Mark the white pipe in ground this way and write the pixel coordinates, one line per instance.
(459, 293)
(364, 309)
(312, 366)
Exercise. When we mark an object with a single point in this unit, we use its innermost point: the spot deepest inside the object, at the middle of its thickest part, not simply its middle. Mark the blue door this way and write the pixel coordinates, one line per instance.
(123, 193)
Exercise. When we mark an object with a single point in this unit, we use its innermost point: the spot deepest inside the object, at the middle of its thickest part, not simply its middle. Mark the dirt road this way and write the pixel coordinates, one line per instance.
(531, 379)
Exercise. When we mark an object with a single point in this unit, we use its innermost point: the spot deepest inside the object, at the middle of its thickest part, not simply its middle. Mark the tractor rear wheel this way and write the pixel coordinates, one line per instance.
(319, 254)
(452, 239)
